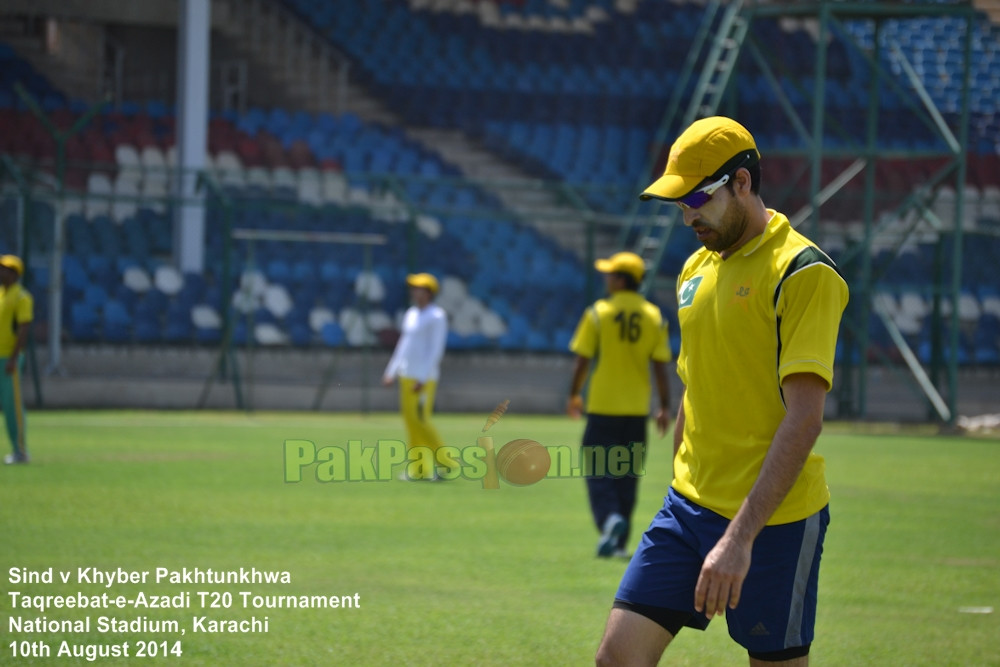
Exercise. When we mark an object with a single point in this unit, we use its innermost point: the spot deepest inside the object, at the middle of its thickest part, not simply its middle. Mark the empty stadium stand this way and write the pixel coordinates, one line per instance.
(571, 92)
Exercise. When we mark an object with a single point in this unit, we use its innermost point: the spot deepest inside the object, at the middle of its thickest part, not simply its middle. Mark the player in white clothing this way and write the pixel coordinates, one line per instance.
(416, 361)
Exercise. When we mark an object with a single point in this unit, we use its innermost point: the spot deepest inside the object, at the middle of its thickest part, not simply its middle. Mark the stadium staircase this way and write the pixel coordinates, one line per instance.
(545, 210)
(295, 64)
(253, 29)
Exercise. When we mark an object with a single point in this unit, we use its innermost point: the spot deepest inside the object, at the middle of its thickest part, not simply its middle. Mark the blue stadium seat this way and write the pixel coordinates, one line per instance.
(332, 334)
(178, 327)
(300, 334)
(117, 322)
(95, 296)
(987, 340)
(125, 296)
(84, 322)
(239, 336)
(208, 335)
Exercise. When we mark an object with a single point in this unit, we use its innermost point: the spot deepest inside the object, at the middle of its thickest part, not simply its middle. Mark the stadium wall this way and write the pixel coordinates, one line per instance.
(173, 378)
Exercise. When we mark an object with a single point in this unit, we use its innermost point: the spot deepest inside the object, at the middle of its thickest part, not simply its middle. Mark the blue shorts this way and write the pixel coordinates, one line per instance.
(777, 609)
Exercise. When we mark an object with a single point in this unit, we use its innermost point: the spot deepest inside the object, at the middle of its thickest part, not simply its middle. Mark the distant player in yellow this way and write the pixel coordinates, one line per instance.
(622, 335)
(16, 314)
(416, 361)
(742, 526)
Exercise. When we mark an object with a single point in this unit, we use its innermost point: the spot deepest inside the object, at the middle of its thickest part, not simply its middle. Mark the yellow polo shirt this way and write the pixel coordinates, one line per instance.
(771, 309)
(16, 308)
(623, 332)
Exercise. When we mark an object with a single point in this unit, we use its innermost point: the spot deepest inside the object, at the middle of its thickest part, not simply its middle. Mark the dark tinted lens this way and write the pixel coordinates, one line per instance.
(696, 199)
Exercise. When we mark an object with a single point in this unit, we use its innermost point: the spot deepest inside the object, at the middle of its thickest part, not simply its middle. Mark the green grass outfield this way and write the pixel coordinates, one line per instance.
(451, 573)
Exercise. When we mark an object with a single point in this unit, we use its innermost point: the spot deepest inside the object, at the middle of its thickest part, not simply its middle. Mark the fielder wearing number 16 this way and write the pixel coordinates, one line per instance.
(622, 335)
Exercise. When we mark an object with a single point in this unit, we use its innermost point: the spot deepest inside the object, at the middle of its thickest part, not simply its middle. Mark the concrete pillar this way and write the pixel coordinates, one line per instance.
(193, 66)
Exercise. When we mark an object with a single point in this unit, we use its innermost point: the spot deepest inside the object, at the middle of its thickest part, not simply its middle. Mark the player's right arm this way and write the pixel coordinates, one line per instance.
(574, 405)
(584, 345)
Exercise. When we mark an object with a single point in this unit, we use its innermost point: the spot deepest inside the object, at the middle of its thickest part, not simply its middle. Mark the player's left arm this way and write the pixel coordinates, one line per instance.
(727, 564)
(438, 338)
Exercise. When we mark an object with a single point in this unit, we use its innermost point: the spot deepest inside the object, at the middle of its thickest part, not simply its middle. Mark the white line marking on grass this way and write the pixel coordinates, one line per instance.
(975, 610)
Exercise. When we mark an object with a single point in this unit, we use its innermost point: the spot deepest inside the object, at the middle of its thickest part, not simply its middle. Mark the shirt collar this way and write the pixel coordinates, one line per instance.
(774, 224)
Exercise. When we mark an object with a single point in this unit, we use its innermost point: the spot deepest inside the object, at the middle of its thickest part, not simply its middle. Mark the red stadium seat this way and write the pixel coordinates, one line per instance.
(272, 152)
(300, 155)
(249, 152)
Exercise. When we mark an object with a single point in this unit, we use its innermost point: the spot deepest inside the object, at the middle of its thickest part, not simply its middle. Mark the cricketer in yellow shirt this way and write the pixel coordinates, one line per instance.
(623, 335)
(16, 314)
(742, 527)
(784, 297)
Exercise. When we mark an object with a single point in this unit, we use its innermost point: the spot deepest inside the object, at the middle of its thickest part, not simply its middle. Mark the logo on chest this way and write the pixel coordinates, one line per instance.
(741, 296)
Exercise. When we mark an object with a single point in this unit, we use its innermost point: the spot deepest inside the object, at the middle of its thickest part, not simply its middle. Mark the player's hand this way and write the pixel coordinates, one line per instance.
(722, 574)
(574, 406)
(388, 381)
(662, 421)
(417, 387)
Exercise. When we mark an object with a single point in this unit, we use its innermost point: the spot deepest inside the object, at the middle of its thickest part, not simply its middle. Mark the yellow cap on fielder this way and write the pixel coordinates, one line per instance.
(623, 262)
(12, 262)
(710, 146)
(425, 280)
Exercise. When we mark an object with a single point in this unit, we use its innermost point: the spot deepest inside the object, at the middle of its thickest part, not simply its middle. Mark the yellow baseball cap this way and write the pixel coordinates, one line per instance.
(425, 280)
(623, 262)
(708, 147)
(12, 262)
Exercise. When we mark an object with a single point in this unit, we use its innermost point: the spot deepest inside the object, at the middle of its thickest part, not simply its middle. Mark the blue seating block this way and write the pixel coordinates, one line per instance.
(332, 334)
(84, 322)
(117, 322)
